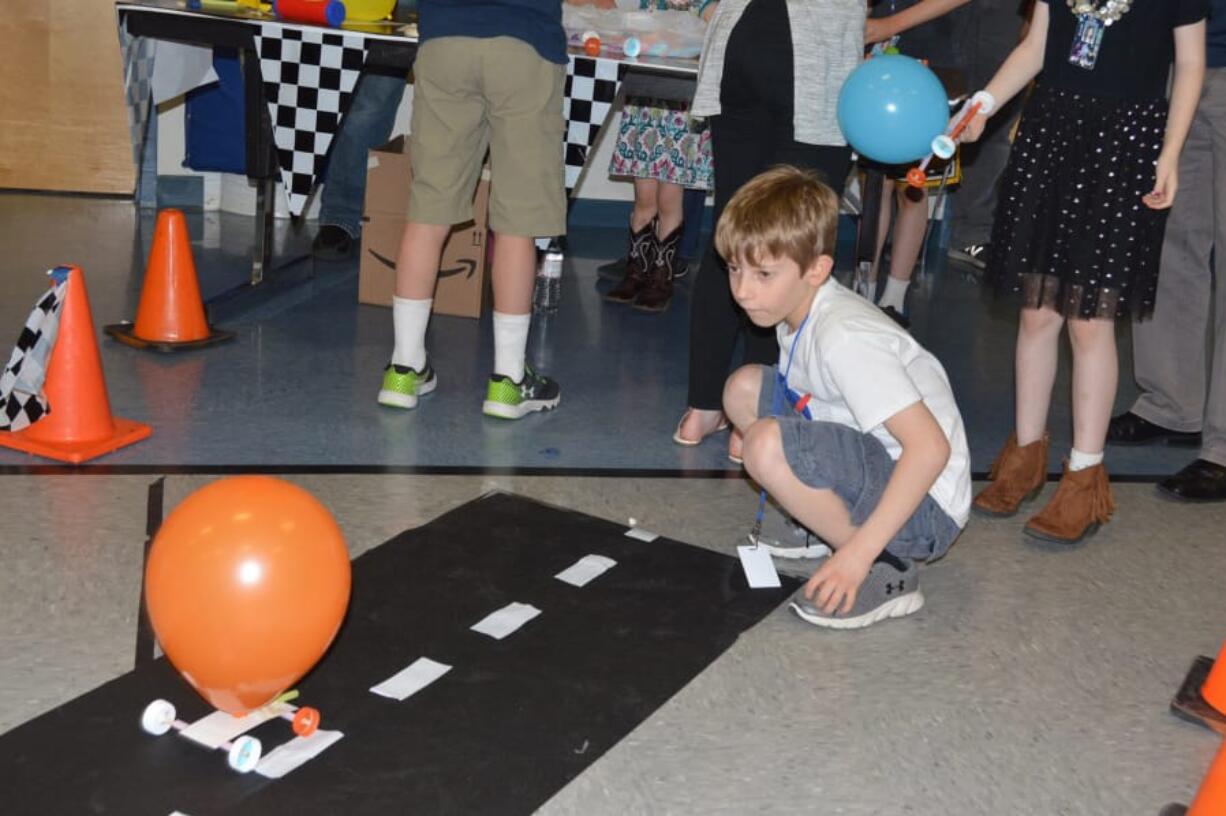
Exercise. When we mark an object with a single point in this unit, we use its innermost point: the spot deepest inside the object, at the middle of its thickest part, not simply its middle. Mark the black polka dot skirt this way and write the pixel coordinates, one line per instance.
(1071, 232)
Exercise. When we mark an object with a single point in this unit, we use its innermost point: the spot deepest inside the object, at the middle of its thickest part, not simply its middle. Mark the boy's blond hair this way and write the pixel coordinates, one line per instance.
(785, 212)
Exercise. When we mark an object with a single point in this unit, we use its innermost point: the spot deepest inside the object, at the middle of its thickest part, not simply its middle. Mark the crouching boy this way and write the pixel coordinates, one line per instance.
(855, 432)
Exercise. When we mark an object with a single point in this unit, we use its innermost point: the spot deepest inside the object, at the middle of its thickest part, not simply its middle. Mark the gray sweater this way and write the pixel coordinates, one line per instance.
(827, 44)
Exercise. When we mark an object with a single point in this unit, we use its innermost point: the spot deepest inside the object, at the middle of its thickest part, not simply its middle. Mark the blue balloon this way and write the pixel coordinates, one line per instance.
(891, 108)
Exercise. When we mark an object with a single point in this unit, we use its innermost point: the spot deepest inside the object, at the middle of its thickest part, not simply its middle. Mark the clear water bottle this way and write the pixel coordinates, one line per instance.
(548, 290)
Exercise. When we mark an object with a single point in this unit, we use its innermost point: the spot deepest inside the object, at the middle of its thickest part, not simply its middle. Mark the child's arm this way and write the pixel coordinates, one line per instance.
(925, 452)
(1022, 66)
(1185, 96)
(878, 29)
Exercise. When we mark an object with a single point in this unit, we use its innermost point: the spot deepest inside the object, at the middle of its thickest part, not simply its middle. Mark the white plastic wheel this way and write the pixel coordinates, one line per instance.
(244, 754)
(158, 717)
(944, 147)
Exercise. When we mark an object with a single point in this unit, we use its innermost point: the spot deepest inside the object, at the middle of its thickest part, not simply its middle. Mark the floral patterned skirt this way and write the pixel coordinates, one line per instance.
(658, 140)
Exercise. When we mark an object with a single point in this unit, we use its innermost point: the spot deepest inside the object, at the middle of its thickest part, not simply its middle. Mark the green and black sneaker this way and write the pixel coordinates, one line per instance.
(402, 385)
(507, 399)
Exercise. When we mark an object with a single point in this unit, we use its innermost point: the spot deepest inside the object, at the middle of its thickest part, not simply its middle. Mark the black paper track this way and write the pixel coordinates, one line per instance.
(511, 724)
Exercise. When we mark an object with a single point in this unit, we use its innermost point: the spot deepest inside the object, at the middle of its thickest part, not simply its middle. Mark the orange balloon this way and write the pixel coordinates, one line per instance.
(247, 584)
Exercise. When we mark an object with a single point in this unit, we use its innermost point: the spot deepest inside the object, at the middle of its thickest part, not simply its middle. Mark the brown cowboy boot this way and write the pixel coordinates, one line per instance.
(1017, 476)
(639, 261)
(1082, 503)
(657, 292)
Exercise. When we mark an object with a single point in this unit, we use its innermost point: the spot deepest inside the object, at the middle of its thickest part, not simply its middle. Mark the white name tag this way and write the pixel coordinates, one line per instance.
(759, 568)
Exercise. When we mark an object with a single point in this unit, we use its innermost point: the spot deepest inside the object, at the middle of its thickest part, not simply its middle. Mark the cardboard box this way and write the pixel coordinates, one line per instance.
(463, 273)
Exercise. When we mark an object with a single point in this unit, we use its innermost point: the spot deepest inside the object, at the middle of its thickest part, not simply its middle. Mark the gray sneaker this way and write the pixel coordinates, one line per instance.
(885, 593)
(811, 549)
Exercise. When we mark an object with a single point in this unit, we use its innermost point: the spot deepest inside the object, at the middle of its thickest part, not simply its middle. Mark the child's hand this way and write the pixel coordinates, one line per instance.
(876, 30)
(838, 580)
(1166, 182)
(974, 128)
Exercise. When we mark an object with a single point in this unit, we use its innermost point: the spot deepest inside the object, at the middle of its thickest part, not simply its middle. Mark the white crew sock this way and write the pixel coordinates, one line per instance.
(895, 293)
(409, 321)
(1080, 461)
(510, 344)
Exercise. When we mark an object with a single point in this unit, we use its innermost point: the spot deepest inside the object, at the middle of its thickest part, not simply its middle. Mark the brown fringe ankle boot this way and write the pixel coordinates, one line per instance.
(1082, 503)
(1017, 476)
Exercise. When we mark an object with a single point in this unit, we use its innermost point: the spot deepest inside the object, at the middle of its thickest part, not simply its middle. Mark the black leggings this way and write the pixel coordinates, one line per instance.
(752, 133)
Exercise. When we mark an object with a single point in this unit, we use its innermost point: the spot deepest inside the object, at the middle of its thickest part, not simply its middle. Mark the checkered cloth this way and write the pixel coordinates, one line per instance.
(309, 76)
(138, 60)
(21, 385)
(591, 87)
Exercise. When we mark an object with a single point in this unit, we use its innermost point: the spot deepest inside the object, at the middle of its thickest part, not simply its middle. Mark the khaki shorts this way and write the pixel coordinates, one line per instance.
(470, 94)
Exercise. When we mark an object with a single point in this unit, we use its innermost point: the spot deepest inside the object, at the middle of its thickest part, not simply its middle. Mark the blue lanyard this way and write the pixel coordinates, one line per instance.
(778, 398)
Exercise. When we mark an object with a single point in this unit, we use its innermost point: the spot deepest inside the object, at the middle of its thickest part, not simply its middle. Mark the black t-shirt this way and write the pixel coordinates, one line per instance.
(940, 41)
(1134, 60)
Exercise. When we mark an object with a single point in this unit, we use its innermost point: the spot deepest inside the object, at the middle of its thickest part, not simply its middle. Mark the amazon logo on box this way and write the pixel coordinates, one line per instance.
(463, 280)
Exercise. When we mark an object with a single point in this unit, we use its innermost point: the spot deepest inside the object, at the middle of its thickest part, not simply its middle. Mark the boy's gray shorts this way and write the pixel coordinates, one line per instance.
(856, 467)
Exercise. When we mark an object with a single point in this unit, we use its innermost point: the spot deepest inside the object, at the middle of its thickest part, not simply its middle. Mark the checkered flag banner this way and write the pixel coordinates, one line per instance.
(21, 385)
(309, 76)
(591, 87)
(138, 54)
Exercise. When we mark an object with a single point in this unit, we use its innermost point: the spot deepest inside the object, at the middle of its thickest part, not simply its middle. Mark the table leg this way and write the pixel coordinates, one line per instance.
(265, 208)
(261, 163)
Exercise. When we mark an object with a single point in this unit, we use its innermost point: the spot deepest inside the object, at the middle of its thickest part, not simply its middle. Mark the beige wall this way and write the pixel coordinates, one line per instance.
(63, 121)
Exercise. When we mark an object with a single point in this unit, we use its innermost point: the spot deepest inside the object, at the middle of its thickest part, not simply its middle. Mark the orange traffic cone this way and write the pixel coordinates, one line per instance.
(171, 313)
(1214, 688)
(1211, 798)
(1202, 695)
(79, 425)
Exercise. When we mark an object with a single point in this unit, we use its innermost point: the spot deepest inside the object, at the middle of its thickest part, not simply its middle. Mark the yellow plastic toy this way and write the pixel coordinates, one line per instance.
(368, 11)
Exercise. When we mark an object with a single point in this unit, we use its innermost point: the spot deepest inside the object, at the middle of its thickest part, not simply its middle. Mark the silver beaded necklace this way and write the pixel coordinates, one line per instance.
(1109, 12)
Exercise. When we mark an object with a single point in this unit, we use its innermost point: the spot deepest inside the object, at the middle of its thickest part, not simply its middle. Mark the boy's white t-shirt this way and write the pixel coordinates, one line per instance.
(861, 369)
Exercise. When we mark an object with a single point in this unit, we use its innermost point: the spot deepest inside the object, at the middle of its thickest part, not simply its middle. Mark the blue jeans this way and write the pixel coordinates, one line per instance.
(368, 124)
